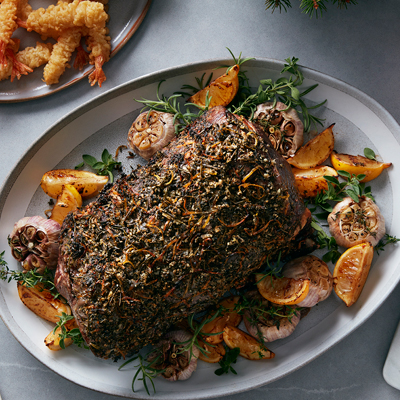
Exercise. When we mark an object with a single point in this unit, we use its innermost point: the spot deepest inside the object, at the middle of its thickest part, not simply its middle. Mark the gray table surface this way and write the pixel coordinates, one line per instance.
(360, 46)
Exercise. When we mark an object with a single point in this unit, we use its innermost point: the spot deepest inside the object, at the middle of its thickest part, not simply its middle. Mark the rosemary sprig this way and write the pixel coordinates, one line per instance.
(273, 271)
(172, 106)
(244, 87)
(104, 167)
(284, 89)
(197, 333)
(146, 369)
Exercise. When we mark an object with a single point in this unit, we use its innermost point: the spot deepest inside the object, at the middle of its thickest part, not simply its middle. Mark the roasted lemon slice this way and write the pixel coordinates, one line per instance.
(315, 151)
(311, 181)
(222, 90)
(285, 291)
(357, 165)
(69, 200)
(351, 272)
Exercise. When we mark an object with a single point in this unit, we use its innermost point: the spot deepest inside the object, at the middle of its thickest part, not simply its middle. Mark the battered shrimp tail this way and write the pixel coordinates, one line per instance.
(98, 75)
(18, 68)
(81, 59)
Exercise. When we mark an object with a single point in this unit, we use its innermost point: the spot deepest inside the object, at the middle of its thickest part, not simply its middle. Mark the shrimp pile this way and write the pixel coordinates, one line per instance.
(66, 24)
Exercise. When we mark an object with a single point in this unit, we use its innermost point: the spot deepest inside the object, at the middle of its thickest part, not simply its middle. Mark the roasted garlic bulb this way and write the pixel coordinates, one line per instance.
(268, 321)
(352, 223)
(34, 242)
(283, 126)
(150, 132)
(169, 356)
(312, 268)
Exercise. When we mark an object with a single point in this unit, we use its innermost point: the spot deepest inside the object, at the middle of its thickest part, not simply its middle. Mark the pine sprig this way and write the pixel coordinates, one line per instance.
(311, 7)
(277, 4)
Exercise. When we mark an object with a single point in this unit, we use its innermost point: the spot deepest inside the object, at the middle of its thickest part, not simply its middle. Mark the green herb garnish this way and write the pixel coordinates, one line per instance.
(104, 167)
(387, 239)
(146, 369)
(73, 334)
(28, 278)
(172, 106)
(369, 153)
(229, 358)
(285, 90)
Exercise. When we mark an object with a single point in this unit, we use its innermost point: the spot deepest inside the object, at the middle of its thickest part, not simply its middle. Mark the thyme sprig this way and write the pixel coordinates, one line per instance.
(285, 90)
(145, 368)
(105, 166)
(65, 333)
(28, 278)
(387, 239)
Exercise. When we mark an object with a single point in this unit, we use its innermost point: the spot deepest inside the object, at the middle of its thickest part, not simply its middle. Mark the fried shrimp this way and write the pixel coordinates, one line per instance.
(8, 15)
(24, 9)
(98, 44)
(65, 16)
(66, 44)
(25, 61)
(67, 22)
(14, 67)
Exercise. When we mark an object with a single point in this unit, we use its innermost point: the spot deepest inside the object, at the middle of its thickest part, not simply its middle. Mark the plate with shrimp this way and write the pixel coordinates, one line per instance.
(48, 45)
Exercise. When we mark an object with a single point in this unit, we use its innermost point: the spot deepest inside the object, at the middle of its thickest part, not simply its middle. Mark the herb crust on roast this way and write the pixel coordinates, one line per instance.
(172, 237)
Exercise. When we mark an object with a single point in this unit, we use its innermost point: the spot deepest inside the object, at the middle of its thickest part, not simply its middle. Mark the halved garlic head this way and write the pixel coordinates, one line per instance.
(283, 126)
(312, 268)
(150, 132)
(352, 223)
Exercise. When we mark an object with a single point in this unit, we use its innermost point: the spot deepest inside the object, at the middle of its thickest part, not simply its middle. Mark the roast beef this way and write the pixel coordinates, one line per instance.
(172, 237)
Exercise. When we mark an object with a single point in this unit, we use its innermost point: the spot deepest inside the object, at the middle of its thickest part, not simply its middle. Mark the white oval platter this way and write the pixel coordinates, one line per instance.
(103, 123)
